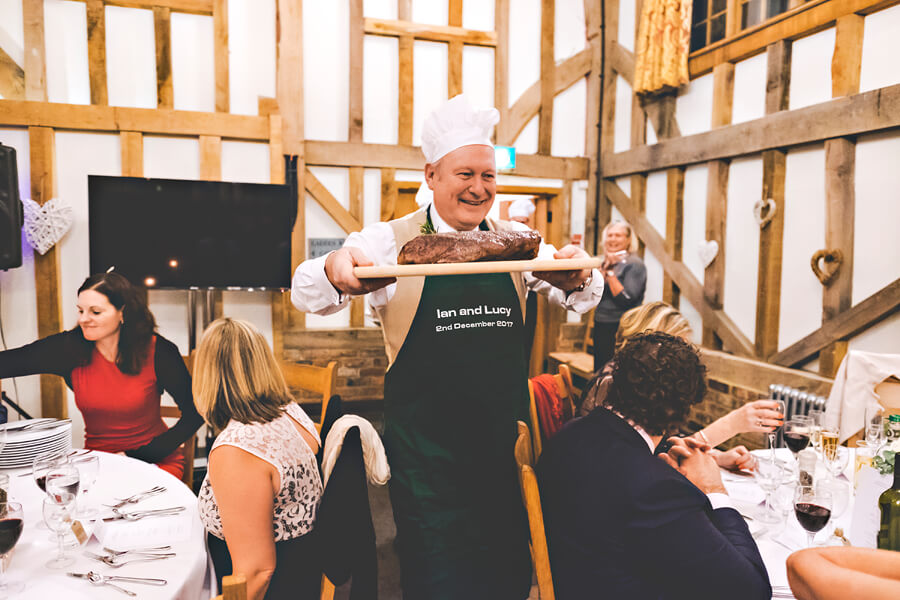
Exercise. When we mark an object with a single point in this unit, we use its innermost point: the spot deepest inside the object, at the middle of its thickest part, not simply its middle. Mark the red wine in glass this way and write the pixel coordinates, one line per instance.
(796, 441)
(41, 482)
(812, 517)
(10, 530)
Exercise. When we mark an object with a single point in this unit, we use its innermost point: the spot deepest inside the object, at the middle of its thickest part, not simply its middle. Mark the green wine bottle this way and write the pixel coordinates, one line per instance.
(889, 502)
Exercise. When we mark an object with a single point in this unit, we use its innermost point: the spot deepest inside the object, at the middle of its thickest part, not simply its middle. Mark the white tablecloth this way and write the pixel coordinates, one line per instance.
(777, 542)
(119, 476)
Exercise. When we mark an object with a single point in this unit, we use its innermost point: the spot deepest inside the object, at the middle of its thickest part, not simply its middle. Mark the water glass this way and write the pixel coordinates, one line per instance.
(772, 434)
(11, 525)
(875, 425)
(42, 464)
(59, 513)
(818, 423)
(836, 458)
(769, 476)
(865, 453)
(88, 469)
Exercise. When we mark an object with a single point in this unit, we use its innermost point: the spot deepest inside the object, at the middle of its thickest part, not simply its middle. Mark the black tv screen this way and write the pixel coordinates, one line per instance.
(170, 233)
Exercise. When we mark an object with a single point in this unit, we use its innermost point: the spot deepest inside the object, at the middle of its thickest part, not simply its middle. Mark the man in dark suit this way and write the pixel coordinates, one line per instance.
(625, 524)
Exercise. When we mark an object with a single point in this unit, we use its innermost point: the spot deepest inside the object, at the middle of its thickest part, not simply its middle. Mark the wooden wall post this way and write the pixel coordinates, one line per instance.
(35, 55)
(220, 36)
(594, 199)
(355, 134)
(717, 199)
(771, 237)
(96, 30)
(290, 102)
(840, 195)
(454, 50)
(162, 25)
(405, 46)
(548, 76)
(501, 68)
(42, 151)
(132, 149)
(674, 229)
(610, 24)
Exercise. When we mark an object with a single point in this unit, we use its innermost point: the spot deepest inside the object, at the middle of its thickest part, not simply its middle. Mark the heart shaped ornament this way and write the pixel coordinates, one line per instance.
(831, 264)
(708, 250)
(47, 223)
(764, 217)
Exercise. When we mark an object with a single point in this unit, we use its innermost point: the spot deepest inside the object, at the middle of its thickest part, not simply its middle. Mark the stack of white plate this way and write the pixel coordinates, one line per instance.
(46, 436)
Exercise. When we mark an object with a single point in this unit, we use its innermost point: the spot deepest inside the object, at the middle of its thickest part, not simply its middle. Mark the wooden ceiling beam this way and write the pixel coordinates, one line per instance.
(431, 33)
(195, 7)
(849, 116)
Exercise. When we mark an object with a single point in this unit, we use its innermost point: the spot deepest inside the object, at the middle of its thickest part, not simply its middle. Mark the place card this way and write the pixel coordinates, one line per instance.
(866, 518)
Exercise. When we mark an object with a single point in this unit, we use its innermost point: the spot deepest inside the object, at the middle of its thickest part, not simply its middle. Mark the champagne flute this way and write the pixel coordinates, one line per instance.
(59, 511)
(818, 423)
(11, 525)
(812, 506)
(769, 475)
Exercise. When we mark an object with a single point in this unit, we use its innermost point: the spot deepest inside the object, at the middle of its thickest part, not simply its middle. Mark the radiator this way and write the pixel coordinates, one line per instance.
(796, 402)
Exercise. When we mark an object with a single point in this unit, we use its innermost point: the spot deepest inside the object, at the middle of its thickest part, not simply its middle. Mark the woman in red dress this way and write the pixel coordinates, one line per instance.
(118, 367)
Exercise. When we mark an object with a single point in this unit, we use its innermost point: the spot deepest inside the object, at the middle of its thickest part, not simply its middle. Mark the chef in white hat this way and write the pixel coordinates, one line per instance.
(521, 210)
(457, 376)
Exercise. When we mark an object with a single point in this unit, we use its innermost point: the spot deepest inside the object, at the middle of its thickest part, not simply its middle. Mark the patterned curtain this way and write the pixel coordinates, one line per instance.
(663, 45)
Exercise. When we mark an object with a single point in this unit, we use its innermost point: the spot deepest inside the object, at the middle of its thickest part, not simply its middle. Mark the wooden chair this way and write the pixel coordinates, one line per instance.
(234, 587)
(531, 498)
(319, 380)
(566, 390)
(190, 446)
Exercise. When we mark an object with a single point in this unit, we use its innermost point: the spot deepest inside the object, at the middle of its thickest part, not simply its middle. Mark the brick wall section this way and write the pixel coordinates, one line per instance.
(359, 352)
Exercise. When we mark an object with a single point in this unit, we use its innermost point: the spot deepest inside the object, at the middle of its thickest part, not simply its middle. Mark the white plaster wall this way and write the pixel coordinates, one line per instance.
(130, 57)
(880, 40)
(478, 16)
(811, 69)
(568, 121)
(429, 82)
(749, 89)
(656, 201)
(568, 35)
(693, 107)
(627, 18)
(326, 63)
(12, 32)
(622, 120)
(527, 142)
(876, 245)
(251, 53)
(433, 12)
(65, 33)
(478, 75)
(693, 317)
(380, 9)
(193, 63)
(694, 229)
(524, 46)
(742, 243)
(653, 291)
(804, 224)
(18, 301)
(380, 89)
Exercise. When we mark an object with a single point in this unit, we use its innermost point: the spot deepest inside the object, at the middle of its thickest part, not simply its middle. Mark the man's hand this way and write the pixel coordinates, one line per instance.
(691, 458)
(736, 459)
(566, 280)
(339, 270)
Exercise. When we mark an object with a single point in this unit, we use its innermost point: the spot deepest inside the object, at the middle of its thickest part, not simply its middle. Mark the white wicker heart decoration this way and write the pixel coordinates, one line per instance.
(708, 250)
(47, 223)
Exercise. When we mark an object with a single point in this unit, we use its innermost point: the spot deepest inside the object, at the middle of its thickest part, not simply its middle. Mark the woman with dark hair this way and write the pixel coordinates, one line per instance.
(623, 523)
(118, 367)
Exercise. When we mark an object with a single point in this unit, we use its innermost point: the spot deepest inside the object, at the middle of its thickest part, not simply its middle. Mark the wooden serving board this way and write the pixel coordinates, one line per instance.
(497, 266)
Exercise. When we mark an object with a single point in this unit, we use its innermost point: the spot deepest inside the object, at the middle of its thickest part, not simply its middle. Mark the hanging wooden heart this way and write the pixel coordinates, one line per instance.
(47, 223)
(764, 218)
(708, 250)
(831, 264)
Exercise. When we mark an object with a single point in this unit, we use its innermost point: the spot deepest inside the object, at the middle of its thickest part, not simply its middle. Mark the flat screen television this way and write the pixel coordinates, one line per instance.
(179, 234)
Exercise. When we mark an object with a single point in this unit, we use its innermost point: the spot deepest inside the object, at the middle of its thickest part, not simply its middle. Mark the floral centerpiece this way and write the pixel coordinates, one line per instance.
(884, 460)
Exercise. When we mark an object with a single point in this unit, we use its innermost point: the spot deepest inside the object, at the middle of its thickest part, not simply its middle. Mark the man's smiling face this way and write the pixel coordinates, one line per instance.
(464, 184)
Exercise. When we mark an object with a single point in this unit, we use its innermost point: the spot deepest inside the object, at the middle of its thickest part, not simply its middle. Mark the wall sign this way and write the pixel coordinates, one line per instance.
(322, 246)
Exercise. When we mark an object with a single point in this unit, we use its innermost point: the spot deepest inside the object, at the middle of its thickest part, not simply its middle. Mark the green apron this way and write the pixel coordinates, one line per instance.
(452, 399)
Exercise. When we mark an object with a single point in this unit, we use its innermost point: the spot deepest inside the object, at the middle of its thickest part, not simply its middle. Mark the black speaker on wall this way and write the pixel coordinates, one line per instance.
(11, 217)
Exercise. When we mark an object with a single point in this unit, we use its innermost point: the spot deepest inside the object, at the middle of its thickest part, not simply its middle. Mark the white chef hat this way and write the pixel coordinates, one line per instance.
(455, 124)
(523, 207)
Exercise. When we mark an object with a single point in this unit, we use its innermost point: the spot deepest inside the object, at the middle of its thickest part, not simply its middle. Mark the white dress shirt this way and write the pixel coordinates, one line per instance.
(312, 292)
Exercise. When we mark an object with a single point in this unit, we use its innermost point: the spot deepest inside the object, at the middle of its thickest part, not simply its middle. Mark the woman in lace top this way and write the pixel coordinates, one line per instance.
(260, 496)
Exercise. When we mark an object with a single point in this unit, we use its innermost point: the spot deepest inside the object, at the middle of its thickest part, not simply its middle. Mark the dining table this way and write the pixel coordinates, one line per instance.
(188, 574)
(778, 541)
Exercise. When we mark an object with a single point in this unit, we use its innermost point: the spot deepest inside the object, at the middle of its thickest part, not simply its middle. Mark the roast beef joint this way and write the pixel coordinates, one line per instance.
(470, 246)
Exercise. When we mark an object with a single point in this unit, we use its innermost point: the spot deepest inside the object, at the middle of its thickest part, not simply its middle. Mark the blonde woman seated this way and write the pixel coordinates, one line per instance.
(261, 494)
(757, 416)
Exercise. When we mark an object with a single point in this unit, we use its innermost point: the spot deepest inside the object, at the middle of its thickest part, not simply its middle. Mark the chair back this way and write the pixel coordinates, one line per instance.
(566, 390)
(587, 344)
(531, 498)
(319, 380)
(234, 587)
(190, 446)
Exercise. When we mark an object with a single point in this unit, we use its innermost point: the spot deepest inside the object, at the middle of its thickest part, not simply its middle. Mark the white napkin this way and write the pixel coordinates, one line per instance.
(152, 531)
(55, 587)
(854, 387)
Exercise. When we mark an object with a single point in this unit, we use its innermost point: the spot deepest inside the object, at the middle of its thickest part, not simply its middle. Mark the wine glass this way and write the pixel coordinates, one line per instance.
(836, 457)
(840, 494)
(875, 426)
(12, 520)
(796, 434)
(769, 475)
(88, 469)
(818, 423)
(63, 478)
(772, 434)
(42, 464)
(59, 512)
(812, 506)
